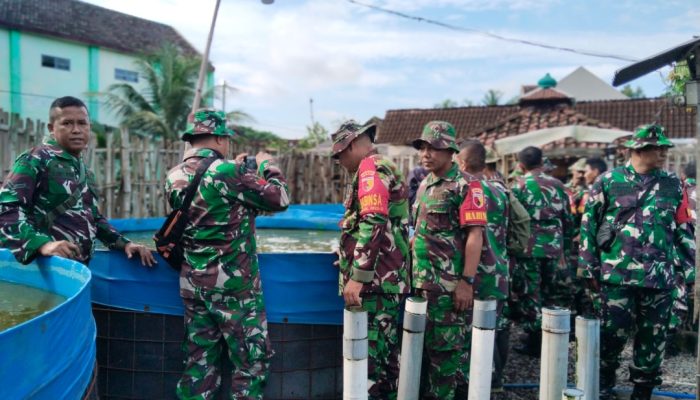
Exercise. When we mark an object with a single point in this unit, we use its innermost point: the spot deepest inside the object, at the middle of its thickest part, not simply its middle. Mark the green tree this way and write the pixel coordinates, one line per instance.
(492, 97)
(162, 108)
(315, 135)
(676, 79)
(637, 93)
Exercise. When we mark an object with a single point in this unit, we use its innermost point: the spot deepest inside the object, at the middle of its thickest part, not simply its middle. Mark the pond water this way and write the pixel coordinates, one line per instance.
(273, 240)
(19, 303)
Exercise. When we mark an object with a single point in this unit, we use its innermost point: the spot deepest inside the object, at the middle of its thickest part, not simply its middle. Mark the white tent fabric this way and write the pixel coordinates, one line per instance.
(541, 137)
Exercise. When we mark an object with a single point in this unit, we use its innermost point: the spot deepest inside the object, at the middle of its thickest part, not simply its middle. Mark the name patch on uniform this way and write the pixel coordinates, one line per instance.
(473, 208)
(373, 195)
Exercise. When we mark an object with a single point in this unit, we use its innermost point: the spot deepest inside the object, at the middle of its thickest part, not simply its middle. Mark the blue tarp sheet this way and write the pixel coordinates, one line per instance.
(323, 217)
(51, 356)
(300, 288)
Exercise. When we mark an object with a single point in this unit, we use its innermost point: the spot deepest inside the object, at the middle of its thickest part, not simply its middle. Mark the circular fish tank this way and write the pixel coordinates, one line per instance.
(47, 332)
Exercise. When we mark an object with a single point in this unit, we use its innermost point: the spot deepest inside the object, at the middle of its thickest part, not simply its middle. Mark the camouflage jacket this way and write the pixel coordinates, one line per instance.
(577, 203)
(444, 208)
(219, 241)
(374, 239)
(652, 245)
(42, 179)
(492, 274)
(551, 223)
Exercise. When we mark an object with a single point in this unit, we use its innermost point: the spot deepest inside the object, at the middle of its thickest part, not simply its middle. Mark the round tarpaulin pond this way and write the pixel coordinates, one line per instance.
(51, 356)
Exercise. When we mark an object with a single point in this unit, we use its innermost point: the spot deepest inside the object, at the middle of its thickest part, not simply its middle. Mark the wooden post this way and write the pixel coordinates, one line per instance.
(126, 174)
(109, 176)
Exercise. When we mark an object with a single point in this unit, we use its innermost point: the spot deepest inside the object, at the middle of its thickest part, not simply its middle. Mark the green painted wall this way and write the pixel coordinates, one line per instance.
(4, 69)
(93, 82)
(15, 73)
(109, 61)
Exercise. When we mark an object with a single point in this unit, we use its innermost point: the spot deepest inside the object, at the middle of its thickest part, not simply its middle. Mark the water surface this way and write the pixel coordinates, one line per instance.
(19, 303)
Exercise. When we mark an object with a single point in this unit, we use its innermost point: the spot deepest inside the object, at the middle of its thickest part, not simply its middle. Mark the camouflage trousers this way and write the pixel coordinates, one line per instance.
(242, 323)
(445, 348)
(537, 283)
(628, 309)
(679, 313)
(382, 335)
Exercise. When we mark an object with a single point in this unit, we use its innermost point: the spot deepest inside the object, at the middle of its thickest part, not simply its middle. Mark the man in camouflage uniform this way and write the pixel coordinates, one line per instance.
(374, 252)
(636, 274)
(492, 275)
(576, 188)
(450, 215)
(48, 202)
(220, 279)
(541, 277)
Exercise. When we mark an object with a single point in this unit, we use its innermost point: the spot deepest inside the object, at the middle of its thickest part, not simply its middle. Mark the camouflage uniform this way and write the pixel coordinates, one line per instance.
(445, 207)
(682, 292)
(542, 278)
(374, 250)
(638, 273)
(578, 195)
(42, 179)
(220, 280)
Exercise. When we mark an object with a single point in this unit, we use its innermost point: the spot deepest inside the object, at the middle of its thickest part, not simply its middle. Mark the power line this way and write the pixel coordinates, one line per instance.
(493, 35)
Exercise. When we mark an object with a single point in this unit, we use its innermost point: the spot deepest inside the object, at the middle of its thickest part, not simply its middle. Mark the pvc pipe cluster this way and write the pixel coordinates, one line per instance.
(355, 348)
(483, 335)
(414, 320)
(555, 352)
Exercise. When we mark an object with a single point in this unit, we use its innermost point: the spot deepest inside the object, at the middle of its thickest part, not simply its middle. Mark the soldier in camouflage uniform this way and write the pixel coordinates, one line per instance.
(636, 274)
(492, 276)
(37, 216)
(450, 215)
(374, 252)
(541, 278)
(220, 280)
(576, 188)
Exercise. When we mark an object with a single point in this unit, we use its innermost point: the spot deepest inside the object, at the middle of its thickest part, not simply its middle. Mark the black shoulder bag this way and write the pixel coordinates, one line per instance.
(168, 238)
(608, 231)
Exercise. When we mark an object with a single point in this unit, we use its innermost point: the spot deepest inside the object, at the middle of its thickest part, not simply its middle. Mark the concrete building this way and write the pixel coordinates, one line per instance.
(56, 48)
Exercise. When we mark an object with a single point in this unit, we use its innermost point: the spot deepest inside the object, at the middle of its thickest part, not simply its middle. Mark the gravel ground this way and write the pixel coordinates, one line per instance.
(679, 372)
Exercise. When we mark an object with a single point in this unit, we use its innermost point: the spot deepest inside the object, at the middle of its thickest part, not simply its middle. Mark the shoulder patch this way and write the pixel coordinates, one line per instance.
(373, 195)
(473, 208)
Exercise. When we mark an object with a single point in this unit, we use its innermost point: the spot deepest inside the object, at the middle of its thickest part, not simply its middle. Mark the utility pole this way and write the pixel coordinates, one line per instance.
(205, 61)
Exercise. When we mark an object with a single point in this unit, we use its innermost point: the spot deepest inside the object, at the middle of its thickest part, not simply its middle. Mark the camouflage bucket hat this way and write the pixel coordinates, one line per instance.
(439, 134)
(349, 131)
(491, 155)
(579, 165)
(207, 122)
(648, 135)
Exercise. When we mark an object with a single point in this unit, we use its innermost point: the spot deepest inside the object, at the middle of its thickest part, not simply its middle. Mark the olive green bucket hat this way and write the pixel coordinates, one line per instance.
(579, 165)
(349, 131)
(648, 135)
(439, 134)
(207, 121)
(491, 155)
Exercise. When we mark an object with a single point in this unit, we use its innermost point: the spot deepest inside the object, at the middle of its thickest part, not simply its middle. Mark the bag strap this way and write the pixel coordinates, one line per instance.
(192, 187)
(48, 219)
(627, 214)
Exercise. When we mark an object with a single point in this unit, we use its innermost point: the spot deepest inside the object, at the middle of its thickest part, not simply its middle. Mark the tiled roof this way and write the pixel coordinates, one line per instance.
(90, 24)
(401, 126)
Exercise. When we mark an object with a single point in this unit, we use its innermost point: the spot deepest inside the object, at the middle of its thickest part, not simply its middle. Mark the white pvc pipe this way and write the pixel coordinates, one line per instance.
(354, 353)
(555, 352)
(588, 357)
(573, 394)
(483, 335)
(412, 348)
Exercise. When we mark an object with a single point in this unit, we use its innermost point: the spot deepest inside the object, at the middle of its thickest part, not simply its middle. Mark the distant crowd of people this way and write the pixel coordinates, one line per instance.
(616, 244)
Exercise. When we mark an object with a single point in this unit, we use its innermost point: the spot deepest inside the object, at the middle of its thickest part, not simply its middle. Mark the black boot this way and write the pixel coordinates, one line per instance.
(531, 346)
(607, 383)
(641, 392)
(500, 356)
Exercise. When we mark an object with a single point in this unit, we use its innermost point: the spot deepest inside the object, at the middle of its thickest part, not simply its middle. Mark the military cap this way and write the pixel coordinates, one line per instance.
(207, 121)
(349, 131)
(579, 165)
(491, 155)
(648, 135)
(439, 134)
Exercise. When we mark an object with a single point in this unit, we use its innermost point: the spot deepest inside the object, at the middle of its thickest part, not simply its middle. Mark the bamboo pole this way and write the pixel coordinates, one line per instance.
(126, 173)
(109, 175)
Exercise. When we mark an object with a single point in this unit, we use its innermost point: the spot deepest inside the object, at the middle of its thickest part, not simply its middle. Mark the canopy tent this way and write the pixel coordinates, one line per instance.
(541, 137)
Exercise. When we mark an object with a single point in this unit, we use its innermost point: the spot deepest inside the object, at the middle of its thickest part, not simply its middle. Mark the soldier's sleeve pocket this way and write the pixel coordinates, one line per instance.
(438, 217)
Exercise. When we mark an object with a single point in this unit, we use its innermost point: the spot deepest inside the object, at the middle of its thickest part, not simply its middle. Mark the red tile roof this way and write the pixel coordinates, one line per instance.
(402, 126)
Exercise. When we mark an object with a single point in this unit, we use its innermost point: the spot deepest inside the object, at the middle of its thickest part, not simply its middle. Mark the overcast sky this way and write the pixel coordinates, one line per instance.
(357, 63)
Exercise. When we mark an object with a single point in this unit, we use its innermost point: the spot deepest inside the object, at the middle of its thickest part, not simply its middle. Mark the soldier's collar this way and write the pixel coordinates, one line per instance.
(60, 151)
(198, 152)
(690, 181)
(450, 175)
(630, 170)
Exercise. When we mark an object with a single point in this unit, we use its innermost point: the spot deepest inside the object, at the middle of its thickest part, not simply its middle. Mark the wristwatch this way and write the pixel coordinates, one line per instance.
(468, 279)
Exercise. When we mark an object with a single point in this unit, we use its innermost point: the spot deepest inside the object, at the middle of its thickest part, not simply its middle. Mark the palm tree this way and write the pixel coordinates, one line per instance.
(162, 108)
(492, 98)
